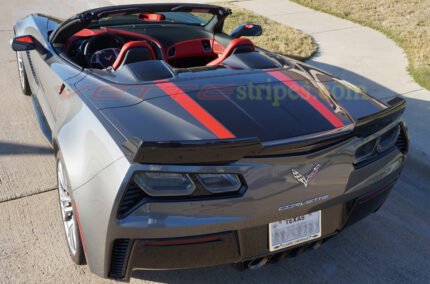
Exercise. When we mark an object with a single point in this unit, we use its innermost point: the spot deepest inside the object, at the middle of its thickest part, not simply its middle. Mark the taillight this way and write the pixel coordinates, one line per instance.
(220, 183)
(165, 184)
(379, 146)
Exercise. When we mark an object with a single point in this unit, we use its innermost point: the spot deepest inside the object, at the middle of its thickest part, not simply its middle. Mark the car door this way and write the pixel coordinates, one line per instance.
(53, 73)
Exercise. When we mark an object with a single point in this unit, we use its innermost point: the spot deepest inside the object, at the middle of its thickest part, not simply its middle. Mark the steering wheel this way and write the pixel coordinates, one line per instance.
(102, 49)
(104, 58)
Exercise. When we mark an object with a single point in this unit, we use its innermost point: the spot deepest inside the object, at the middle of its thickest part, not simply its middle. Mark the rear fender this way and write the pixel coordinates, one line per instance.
(84, 141)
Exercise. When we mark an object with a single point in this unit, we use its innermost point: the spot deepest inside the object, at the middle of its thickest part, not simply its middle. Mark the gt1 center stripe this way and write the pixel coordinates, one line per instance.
(195, 110)
(308, 97)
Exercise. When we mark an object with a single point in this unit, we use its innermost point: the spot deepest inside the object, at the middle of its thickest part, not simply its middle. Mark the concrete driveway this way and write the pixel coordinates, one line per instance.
(391, 245)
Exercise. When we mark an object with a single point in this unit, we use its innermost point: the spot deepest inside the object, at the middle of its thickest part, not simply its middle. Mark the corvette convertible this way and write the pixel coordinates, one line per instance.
(181, 146)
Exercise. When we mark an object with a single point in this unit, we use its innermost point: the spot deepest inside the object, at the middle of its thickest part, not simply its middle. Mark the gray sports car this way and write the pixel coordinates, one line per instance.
(181, 146)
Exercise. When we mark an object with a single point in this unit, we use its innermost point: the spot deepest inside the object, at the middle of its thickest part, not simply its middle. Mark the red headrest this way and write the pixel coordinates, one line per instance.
(129, 45)
(230, 48)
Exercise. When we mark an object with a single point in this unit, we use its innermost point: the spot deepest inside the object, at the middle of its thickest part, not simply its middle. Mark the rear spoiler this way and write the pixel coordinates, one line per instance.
(225, 151)
(192, 152)
(368, 125)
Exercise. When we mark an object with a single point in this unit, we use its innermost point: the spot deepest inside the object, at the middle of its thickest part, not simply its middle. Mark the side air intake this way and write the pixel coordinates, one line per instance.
(402, 141)
(132, 196)
(119, 258)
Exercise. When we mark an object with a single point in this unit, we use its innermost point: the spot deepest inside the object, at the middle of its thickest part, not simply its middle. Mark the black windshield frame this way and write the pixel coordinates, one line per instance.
(133, 19)
(84, 19)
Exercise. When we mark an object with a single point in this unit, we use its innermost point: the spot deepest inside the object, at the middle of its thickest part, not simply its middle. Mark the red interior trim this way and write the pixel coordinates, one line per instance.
(152, 17)
(88, 32)
(188, 48)
(217, 47)
(195, 110)
(230, 48)
(126, 47)
(308, 97)
(191, 48)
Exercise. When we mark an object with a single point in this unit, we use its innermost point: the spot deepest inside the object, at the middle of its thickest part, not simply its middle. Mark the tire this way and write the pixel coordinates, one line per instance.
(68, 216)
(25, 86)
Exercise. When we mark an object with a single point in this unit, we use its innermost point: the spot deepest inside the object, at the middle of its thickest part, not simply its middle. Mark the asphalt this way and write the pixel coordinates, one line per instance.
(389, 246)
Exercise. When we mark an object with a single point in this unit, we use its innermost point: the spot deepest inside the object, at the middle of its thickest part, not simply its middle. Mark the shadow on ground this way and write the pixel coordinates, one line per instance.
(23, 149)
(371, 87)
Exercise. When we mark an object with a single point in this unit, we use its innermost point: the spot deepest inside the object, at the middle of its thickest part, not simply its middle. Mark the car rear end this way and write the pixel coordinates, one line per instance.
(260, 164)
(251, 211)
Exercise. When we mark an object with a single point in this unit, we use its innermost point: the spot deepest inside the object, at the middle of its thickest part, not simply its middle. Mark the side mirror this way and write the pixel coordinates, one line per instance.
(23, 43)
(247, 29)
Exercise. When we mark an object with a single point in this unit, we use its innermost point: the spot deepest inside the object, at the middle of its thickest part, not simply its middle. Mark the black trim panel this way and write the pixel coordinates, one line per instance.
(192, 152)
(370, 124)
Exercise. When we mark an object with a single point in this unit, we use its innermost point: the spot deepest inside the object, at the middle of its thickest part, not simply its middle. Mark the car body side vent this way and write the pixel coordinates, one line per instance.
(120, 251)
(133, 195)
(402, 141)
(30, 62)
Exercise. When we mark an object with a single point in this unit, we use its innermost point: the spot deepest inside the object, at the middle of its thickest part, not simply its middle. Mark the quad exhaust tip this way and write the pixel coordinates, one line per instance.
(258, 263)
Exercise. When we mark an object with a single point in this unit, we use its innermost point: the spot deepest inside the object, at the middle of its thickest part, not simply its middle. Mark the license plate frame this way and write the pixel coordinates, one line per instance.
(294, 231)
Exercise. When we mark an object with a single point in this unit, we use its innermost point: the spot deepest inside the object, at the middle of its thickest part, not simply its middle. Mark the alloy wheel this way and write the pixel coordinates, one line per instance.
(21, 69)
(67, 212)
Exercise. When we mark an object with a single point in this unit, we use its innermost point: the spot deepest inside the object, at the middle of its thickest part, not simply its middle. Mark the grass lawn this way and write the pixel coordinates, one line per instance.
(407, 22)
(276, 37)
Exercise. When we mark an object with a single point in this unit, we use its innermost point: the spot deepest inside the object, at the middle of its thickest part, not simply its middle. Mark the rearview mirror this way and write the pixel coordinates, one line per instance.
(23, 43)
(247, 29)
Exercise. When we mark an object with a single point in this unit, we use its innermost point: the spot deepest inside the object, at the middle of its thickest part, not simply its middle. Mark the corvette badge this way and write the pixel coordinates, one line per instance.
(306, 179)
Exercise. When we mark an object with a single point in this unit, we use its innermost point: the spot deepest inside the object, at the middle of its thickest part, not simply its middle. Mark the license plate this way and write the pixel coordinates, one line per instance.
(294, 231)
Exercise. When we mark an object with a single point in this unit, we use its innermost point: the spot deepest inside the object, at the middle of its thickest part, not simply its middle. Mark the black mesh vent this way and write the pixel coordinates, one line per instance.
(402, 142)
(118, 260)
(36, 79)
(132, 196)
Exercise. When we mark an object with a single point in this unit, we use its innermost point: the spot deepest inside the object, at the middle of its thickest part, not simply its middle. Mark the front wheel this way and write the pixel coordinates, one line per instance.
(25, 86)
(68, 216)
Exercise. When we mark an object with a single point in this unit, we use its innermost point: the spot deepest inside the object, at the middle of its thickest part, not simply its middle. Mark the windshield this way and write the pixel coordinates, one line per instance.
(189, 18)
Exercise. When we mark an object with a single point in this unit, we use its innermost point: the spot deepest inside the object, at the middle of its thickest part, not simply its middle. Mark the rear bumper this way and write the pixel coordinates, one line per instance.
(240, 245)
(172, 234)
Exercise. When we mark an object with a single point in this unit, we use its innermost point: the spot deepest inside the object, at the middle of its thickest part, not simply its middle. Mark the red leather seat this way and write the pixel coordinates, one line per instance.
(134, 51)
(233, 45)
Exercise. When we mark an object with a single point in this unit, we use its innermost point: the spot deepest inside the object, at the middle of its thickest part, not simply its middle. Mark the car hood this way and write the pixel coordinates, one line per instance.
(267, 104)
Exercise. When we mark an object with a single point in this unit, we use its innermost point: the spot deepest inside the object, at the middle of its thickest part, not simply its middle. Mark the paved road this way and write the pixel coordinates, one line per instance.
(391, 245)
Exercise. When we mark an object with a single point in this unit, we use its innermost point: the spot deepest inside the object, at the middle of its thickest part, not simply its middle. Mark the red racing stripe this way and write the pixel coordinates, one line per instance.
(195, 110)
(308, 97)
